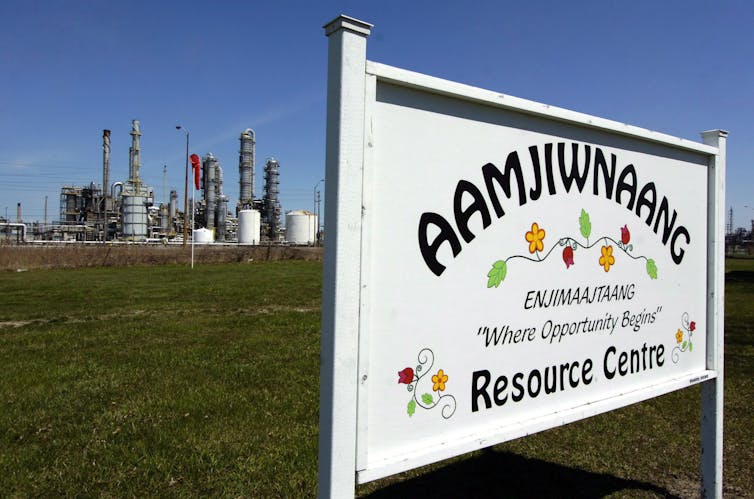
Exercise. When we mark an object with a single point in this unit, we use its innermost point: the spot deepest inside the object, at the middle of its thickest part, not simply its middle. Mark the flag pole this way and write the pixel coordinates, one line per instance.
(193, 211)
(196, 164)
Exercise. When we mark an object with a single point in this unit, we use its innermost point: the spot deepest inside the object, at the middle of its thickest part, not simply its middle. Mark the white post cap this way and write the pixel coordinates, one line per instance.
(348, 23)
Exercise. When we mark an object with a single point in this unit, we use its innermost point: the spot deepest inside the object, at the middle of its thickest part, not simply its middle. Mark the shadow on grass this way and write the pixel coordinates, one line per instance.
(503, 474)
(739, 276)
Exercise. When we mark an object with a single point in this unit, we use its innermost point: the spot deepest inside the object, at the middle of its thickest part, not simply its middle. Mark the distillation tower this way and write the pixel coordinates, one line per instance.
(214, 202)
(271, 213)
(246, 170)
(135, 197)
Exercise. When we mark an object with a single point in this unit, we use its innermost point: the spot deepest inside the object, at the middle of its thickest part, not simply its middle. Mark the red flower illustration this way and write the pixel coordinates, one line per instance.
(406, 376)
(568, 256)
(692, 326)
(625, 235)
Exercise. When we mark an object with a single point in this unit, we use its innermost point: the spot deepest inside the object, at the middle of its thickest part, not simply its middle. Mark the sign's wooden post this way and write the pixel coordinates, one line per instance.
(344, 168)
(712, 390)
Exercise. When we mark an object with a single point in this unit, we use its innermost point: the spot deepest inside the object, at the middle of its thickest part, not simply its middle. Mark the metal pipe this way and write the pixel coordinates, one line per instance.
(112, 189)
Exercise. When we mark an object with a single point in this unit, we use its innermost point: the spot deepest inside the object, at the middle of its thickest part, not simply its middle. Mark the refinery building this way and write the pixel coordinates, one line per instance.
(125, 211)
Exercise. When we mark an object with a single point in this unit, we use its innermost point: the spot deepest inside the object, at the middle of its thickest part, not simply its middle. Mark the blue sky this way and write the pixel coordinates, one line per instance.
(70, 69)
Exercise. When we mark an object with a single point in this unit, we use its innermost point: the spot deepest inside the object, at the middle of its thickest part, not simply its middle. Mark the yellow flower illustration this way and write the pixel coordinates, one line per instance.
(439, 381)
(607, 259)
(535, 237)
(679, 336)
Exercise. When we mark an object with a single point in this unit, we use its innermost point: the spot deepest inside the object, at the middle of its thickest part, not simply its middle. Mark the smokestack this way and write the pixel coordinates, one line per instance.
(105, 179)
(105, 162)
(18, 212)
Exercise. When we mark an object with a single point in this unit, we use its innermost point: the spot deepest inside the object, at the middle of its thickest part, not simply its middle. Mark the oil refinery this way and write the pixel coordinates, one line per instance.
(125, 211)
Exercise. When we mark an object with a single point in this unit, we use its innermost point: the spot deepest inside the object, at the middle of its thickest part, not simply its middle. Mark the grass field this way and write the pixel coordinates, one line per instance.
(157, 381)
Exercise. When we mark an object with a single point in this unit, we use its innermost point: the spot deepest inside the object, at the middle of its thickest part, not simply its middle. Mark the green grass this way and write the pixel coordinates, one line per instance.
(159, 381)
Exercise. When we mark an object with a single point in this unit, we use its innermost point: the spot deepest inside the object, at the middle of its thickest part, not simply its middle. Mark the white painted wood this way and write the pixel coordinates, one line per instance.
(445, 87)
(366, 268)
(529, 427)
(423, 145)
(340, 302)
(712, 391)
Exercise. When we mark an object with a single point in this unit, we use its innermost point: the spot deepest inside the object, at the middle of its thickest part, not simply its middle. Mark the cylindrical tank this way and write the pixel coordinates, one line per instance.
(173, 205)
(164, 219)
(134, 216)
(203, 236)
(249, 224)
(300, 227)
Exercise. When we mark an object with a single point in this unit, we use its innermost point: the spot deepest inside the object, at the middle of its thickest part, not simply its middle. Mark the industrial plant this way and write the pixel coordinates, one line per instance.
(125, 211)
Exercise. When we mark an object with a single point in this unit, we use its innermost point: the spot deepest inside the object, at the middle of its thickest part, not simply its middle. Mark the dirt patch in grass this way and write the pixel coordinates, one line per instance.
(9, 324)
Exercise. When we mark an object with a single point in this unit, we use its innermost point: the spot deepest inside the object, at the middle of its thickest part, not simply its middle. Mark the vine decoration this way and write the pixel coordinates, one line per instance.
(683, 340)
(411, 377)
(535, 238)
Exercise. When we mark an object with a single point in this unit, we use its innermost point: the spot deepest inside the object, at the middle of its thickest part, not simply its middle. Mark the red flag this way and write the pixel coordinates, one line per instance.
(196, 164)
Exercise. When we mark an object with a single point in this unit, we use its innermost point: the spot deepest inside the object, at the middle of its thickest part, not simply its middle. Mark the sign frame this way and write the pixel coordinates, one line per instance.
(352, 83)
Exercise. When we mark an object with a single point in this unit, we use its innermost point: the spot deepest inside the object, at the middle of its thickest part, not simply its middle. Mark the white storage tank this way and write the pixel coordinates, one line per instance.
(203, 236)
(249, 225)
(300, 227)
(134, 216)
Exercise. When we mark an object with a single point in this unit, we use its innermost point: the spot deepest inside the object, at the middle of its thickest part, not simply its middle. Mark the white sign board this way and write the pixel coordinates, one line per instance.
(519, 267)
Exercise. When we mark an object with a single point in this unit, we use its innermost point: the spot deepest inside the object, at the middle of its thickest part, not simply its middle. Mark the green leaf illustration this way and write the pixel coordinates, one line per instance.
(584, 224)
(411, 409)
(691, 346)
(683, 346)
(497, 274)
(651, 269)
(427, 398)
